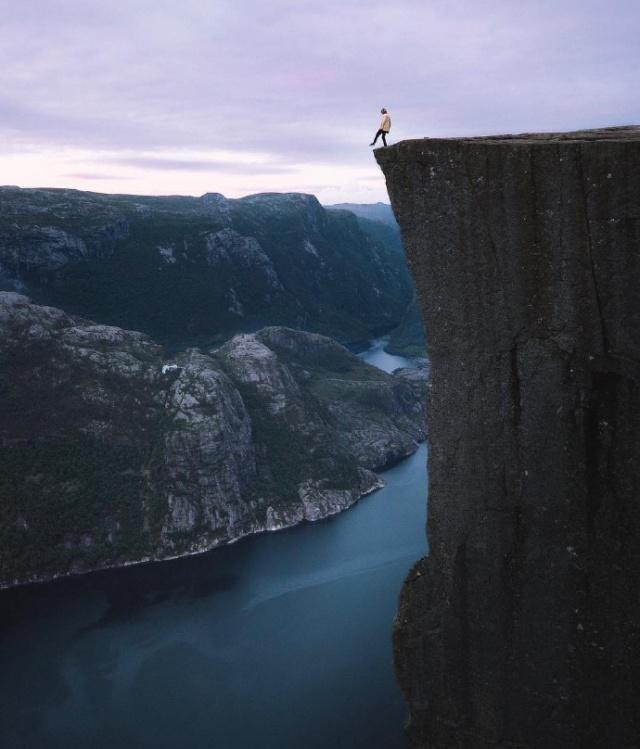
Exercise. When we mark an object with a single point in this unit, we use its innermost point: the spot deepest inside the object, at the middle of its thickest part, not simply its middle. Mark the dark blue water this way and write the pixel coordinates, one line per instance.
(280, 641)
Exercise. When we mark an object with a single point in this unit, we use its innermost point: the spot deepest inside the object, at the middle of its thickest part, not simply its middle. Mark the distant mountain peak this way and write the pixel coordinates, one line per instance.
(379, 211)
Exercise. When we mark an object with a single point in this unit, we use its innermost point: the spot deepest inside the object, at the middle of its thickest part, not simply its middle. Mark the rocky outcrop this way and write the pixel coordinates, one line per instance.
(197, 270)
(112, 454)
(522, 627)
(228, 248)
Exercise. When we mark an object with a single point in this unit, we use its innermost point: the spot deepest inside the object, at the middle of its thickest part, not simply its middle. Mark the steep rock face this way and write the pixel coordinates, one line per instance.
(209, 457)
(228, 250)
(110, 454)
(522, 627)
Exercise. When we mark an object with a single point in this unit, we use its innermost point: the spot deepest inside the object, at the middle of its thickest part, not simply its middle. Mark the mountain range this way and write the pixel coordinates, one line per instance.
(113, 453)
(172, 374)
(195, 271)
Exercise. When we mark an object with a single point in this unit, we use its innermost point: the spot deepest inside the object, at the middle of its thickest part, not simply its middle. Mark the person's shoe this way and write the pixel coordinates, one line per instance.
(372, 144)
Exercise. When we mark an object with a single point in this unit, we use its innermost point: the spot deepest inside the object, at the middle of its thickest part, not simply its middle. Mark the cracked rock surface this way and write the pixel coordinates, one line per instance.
(522, 627)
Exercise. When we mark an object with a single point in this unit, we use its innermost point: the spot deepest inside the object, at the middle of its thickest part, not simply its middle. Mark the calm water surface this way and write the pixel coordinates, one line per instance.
(281, 641)
(377, 356)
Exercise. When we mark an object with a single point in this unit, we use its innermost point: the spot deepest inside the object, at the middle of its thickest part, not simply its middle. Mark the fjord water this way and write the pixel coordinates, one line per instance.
(378, 357)
(281, 641)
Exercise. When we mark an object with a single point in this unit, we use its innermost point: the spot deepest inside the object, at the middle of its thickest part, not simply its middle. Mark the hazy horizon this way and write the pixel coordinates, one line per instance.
(384, 201)
(239, 98)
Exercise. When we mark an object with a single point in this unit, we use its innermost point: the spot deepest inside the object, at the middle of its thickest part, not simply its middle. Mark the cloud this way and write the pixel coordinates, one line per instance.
(299, 85)
(82, 176)
(162, 163)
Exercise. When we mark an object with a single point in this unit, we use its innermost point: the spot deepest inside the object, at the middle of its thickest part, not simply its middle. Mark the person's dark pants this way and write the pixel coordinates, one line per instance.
(384, 137)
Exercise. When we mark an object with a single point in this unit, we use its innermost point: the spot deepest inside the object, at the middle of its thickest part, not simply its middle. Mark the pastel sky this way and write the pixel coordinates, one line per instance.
(243, 96)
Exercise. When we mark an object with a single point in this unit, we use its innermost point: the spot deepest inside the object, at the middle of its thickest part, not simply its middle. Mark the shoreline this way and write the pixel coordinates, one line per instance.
(209, 547)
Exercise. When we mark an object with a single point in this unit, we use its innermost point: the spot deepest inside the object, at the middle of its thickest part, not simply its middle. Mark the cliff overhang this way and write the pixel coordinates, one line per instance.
(522, 627)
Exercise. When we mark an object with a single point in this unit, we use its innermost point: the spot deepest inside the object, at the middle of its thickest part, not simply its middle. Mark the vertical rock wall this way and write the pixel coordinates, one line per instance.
(522, 628)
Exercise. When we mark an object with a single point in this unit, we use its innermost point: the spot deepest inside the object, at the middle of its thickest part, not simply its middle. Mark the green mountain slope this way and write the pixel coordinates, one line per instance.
(197, 270)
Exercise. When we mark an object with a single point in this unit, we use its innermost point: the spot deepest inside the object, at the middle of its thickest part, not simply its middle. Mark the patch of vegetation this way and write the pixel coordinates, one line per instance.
(290, 451)
(61, 500)
(408, 339)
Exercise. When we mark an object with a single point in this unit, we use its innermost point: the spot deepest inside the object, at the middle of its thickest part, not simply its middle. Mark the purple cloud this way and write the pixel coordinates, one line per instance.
(90, 176)
(301, 83)
(200, 165)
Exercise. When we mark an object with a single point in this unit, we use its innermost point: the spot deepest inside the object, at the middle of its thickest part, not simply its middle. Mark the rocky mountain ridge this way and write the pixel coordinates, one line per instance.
(381, 212)
(197, 270)
(112, 453)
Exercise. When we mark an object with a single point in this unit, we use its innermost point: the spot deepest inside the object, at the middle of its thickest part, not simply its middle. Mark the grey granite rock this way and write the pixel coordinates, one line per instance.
(227, 247)
(522, 627)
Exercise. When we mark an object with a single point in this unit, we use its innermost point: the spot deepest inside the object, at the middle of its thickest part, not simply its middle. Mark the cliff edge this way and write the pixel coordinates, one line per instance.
(522, 627)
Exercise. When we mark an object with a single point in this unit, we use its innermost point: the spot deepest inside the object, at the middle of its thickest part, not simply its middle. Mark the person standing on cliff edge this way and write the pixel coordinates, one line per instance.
(385, 126)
